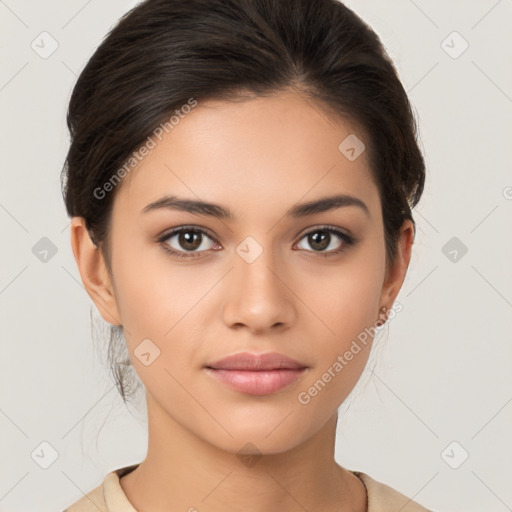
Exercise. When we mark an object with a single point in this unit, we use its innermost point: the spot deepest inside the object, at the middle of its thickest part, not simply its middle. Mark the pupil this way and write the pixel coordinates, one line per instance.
(186, 240)
(319, 239)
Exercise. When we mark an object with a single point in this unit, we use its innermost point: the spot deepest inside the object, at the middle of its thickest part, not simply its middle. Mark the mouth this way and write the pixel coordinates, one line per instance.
(259, 382)
(257, 374)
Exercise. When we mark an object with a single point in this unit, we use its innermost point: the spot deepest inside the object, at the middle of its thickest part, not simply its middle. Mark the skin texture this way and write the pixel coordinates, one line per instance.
(257, 158)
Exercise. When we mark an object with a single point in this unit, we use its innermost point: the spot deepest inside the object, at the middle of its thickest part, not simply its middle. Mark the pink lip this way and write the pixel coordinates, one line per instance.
(247, 361)
(262, 382)
(257, 374)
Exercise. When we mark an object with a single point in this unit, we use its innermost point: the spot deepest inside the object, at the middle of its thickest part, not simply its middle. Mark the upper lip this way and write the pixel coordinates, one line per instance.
(247, 361)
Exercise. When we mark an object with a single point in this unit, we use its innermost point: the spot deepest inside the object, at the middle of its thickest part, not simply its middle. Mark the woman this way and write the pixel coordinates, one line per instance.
(240, 180)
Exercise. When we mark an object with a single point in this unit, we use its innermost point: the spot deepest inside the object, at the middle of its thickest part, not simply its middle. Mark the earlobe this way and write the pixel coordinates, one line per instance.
(396, 272)
(93, 271)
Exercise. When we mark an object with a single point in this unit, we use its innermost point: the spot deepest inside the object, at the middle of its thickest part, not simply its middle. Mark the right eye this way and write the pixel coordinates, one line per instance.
(187, 242)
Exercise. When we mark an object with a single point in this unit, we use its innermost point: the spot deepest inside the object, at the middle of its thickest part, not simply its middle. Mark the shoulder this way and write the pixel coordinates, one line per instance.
(93, 501)
(383, 498)
(106, 497)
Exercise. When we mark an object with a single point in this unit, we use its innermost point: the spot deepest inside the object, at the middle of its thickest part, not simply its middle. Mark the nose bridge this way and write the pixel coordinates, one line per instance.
(255, 263)
(259, 260)
(258, 298)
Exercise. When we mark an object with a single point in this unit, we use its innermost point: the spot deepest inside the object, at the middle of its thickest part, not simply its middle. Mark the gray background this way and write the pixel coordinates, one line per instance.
(442, 373)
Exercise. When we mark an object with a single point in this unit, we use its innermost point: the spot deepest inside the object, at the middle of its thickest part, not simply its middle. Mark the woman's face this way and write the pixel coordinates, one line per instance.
(255, 282)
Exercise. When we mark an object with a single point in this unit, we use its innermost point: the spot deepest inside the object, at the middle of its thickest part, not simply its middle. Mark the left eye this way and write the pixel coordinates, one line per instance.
(321, 238)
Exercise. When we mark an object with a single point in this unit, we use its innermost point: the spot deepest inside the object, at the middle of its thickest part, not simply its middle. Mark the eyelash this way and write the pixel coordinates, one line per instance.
(348, 241)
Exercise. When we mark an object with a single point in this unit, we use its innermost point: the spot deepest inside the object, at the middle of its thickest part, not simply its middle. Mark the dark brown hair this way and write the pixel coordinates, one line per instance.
(164, 52)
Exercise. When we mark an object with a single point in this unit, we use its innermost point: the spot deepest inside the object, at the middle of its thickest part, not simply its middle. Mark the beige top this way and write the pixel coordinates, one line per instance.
(110, 497)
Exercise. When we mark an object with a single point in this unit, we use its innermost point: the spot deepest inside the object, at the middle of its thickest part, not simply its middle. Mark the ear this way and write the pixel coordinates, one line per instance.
(395, 274)
(93, 271)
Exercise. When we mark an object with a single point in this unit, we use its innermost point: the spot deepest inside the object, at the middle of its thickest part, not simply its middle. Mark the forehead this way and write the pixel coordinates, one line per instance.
(253, 153)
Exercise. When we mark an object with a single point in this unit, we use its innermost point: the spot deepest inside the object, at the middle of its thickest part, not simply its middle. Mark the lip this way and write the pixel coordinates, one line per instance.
(248, 361)
(256, 374)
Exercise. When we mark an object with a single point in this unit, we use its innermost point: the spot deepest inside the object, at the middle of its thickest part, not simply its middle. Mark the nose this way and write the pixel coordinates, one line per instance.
(259, 297)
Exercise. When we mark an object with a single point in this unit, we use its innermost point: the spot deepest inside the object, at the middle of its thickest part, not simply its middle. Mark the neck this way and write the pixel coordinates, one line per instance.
(184, 472)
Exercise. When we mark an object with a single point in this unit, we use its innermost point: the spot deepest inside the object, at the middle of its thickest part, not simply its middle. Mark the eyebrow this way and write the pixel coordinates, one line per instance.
(214, 210)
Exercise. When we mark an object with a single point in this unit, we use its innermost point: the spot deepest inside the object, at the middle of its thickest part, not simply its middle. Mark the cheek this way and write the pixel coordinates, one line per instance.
(152, 294)
(346, 303)
(346, 298)
(162, 303)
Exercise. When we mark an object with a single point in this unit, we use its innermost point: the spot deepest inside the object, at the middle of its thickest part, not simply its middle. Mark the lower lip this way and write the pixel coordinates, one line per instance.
(262, 382)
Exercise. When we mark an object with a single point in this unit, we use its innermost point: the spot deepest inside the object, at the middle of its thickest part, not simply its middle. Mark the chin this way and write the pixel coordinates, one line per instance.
(260, 439)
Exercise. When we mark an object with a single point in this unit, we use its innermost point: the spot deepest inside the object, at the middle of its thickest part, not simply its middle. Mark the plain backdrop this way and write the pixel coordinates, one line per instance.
(434, 418)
